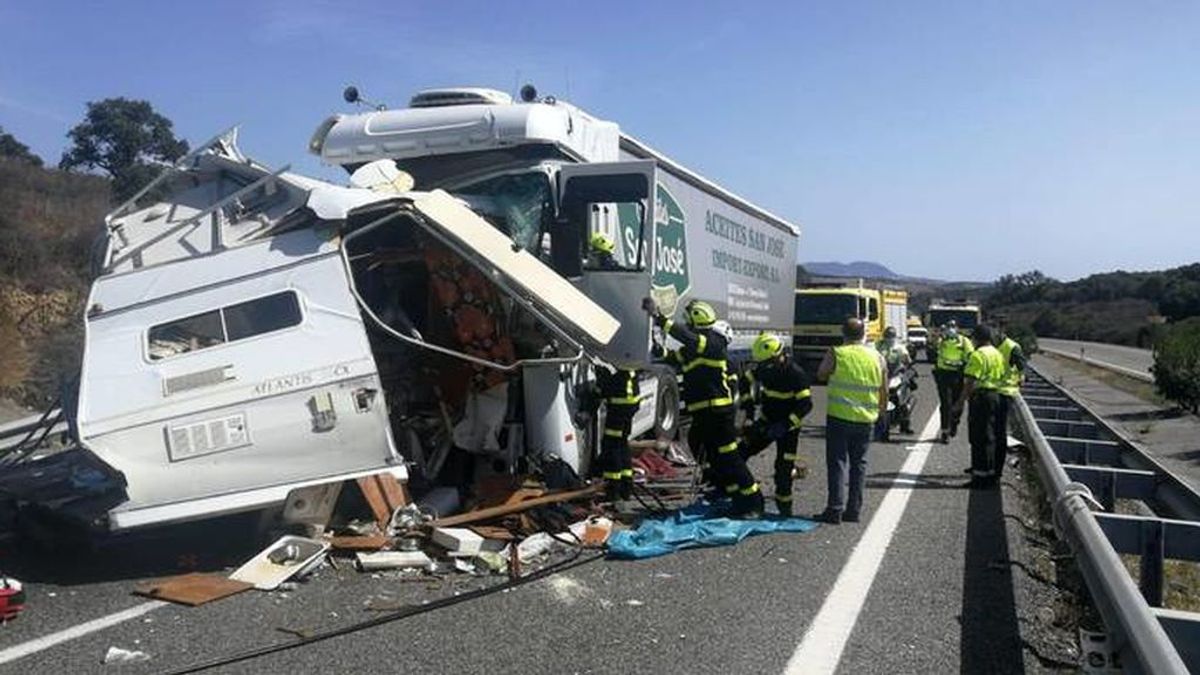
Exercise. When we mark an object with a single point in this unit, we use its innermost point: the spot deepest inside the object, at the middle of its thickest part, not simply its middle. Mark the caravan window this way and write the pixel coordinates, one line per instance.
(235, 322)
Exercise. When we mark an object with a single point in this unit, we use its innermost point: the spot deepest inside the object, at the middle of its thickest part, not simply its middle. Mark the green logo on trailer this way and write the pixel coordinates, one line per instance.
(670, 281)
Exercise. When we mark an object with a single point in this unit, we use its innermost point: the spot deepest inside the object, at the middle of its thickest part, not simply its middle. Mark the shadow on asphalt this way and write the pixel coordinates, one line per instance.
(191, 547)
(991, 638)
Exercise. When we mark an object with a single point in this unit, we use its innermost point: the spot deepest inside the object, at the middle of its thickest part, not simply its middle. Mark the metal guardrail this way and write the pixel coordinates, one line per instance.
(1082, 357)
(1079, 456)
(15, 433)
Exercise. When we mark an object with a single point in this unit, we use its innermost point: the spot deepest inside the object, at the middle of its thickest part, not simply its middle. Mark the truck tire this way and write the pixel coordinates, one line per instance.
(666, 417)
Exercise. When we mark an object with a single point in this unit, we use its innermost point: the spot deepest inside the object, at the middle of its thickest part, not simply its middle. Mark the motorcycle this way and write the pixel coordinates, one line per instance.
(902, 400)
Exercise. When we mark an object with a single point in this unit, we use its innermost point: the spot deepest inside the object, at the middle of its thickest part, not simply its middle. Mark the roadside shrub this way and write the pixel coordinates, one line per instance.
(1025, 336)
(1177, 364)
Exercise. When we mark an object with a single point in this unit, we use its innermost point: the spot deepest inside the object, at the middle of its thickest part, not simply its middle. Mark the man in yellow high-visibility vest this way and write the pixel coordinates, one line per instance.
(857, 391)
(983, 376)
(953, 349)
(1010, 388)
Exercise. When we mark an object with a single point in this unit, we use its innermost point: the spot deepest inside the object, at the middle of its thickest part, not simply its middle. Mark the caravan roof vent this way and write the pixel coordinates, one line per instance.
(435, 98)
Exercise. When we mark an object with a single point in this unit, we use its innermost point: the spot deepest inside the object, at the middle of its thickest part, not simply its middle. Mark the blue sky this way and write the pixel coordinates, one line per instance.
(946, 139)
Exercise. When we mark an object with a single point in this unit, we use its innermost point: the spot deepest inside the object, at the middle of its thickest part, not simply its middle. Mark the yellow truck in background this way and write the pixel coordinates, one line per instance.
(822, 307)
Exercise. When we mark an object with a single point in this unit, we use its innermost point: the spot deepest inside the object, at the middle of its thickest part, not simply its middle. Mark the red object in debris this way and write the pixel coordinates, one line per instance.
(654, 465)
(12, 599)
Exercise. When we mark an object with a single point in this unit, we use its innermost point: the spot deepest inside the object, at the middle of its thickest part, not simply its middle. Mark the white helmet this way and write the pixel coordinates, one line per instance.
(723, 329)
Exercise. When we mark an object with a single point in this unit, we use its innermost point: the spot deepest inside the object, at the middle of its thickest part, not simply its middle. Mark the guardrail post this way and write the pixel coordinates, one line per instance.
(1151, 568)
(1108, 492)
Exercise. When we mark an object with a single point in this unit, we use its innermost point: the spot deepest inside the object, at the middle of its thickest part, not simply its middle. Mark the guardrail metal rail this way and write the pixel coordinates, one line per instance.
(1085, 466)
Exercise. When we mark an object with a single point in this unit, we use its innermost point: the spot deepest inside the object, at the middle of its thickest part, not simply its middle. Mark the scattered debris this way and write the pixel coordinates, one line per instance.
(390, 560)
(385, 495)
(288, 557)
(12, 599)
(312, 506)
(369, 542)
(192, 589)
(480, 515)
(117, 656)
(462, 542)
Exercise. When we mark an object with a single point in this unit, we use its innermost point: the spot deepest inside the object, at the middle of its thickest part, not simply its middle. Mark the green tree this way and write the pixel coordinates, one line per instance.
(11, 148)
(123, 138)
(1177, 364)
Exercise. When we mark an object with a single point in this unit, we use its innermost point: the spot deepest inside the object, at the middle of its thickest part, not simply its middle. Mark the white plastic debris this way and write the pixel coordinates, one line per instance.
(117, 656)
(634, 603)
(386, 560)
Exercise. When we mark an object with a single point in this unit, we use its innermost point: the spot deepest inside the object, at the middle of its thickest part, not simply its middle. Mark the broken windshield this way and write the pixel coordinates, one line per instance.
(514, 203)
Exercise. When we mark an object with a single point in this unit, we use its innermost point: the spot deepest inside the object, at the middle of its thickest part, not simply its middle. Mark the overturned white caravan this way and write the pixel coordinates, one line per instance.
(254, 331)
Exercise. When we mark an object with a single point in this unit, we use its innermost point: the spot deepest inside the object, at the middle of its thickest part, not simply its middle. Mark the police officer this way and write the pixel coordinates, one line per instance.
(601, 252)
(783, 391)
(983, 375)
(894, 354)
(857, 392)
(618, 388)
(703, 359)
(952, 352)
(1010, 387)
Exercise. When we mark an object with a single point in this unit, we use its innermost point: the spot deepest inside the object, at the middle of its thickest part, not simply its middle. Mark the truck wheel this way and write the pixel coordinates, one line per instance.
(666, 417)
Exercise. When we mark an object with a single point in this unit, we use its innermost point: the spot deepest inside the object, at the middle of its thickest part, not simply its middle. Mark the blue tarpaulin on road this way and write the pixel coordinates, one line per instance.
(698, 525)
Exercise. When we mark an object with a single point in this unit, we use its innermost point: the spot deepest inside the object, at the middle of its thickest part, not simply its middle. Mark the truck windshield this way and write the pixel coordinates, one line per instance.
(514, 203)
(825, 308)
(965, 318)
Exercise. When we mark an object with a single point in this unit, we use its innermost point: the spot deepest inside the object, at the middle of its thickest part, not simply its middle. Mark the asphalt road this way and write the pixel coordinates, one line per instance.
(1118, 357)
(936, 603)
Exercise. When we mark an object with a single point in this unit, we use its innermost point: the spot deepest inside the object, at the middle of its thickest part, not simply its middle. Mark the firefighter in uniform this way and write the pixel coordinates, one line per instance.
(618, 388)
(703, 359)
(952, 352)
(984, 374)
(784, 395)
(1010, 387)
(601, 252)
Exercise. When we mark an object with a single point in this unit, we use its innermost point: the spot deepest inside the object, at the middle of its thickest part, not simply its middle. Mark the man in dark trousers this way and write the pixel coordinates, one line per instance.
(781, 388)
(952, 352)
(703, 359)
(1010, 388)
(982, 377)
(618, 389)
(857, 392)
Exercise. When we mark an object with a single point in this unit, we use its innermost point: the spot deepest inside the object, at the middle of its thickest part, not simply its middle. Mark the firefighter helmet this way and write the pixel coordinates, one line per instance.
(601, 243)
(700, 314)
(765, 347)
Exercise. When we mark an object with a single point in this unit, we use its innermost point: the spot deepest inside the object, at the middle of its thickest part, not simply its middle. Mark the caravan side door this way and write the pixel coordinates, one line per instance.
(615, 199)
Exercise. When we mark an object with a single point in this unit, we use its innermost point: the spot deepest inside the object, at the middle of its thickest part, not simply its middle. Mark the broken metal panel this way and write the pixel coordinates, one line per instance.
(523, 274)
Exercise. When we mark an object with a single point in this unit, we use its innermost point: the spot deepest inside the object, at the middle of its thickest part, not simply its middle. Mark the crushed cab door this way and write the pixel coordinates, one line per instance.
(604, 241)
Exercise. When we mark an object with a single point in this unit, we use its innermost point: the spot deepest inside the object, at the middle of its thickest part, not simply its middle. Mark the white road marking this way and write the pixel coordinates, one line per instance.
(47, 641)
(821, 649)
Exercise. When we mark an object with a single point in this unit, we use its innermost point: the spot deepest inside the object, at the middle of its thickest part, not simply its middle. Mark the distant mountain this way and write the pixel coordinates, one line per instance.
(861, 268)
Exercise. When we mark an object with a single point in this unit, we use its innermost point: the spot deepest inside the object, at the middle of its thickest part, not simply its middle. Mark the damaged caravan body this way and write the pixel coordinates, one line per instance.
(254, 331)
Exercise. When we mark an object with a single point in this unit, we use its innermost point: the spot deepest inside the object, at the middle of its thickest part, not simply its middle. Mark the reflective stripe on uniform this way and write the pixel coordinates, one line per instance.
(804, 393)
(789, 455)
(625, 400)
(614, 433)
(612, 475)
(701, 361)
(749, 490)
(626, 473)
(728, 448)
(775, 393)
(796, 420)
(701, 343)
(783, 498)
(711, 403)
(730, 489)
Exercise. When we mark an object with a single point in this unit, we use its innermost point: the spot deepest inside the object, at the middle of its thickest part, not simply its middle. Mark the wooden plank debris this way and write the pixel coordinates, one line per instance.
(192, 589)
(480, 515)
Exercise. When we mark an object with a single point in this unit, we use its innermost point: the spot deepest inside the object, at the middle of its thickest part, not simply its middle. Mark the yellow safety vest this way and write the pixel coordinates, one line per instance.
(854, 385)
(952, 353)
(1011, 384)
(986, 366)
